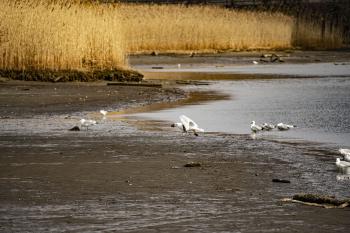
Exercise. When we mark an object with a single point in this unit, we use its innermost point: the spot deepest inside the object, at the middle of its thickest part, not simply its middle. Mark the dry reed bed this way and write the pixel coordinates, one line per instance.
(309, 33)
(178, 28)
(59, 37)
(71, 35)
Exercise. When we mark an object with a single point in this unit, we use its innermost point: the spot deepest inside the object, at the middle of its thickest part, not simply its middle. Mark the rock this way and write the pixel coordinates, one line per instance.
(2, 80)
(274, 58)
(280, 181)
(75, 128)
(193, 164)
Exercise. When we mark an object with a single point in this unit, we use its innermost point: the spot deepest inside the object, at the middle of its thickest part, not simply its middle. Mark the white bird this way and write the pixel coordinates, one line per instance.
(104, 113)
(282, 126)
(254, 127)
(341, 163)
(255, 62)
(188, 125)
(87, 123)
(267, 126)
(346, 154)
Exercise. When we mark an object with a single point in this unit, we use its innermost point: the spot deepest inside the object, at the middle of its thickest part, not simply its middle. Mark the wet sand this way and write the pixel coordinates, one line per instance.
(129, 176)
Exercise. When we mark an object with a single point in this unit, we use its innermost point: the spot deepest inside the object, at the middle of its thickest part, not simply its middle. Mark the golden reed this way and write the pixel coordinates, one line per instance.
(64, 34)
(201, 28)
(59, 36)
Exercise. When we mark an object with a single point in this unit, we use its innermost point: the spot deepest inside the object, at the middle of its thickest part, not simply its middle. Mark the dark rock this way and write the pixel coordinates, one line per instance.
(75, 128)
(280, 181)
(193, 164)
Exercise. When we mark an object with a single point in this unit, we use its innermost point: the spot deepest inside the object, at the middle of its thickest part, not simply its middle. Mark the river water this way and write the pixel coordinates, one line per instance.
(314, 97)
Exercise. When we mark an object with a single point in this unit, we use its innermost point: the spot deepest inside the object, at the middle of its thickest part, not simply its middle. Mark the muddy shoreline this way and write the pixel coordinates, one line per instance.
(27, 99)
(127, 176)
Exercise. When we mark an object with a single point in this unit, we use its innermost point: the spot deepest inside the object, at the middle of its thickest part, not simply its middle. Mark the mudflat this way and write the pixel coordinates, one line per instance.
(131, 175)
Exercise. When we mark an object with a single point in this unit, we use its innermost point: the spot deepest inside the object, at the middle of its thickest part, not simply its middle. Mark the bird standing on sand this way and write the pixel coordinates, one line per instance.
(341, 163)
(267, 127)
(282, 126)
(187, 125)
(346, 154)
(104, 113)
(254, 127)
(87, 123)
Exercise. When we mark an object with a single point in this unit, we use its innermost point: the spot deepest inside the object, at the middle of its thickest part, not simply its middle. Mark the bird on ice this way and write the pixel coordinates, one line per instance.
(346, 154)
(104, 113)
(282, 126)
(87, 123)
(267, 127)
(187, 125)
(254, 127)
(341, 163)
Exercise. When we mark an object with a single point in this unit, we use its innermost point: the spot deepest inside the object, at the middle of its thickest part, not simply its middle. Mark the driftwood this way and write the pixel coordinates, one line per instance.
(280, 181)
(271, 58)
(191, 82)
(134, 84)
(317, 200)
(193, 164)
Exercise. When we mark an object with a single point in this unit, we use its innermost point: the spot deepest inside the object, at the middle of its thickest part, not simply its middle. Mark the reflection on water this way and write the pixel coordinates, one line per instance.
(319, 107)
(344, 174)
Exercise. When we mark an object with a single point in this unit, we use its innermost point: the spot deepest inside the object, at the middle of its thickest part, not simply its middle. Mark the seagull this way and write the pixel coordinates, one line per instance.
(187, 125)
(346, 154)
(341, 163)
(282, 126)
(267, 126)
(255, 128)
(87, 123)
(104, 113)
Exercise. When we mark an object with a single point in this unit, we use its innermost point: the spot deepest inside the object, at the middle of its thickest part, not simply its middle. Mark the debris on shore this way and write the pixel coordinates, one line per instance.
(318, 200)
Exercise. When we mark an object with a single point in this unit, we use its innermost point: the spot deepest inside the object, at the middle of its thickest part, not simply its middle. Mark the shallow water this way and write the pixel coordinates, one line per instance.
(319, 107)
(310, 69)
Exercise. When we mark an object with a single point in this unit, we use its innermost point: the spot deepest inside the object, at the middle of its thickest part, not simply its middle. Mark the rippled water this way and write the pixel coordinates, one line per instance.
(320, 108)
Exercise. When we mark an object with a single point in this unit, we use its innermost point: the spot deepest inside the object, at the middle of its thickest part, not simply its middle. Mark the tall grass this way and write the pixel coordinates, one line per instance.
(82, 35)
(179, 27)
(313, 34)
(59, 36)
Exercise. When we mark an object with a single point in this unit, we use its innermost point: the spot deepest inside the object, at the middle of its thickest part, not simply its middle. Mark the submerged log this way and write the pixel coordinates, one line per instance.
(320, 201)
(313, 198)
